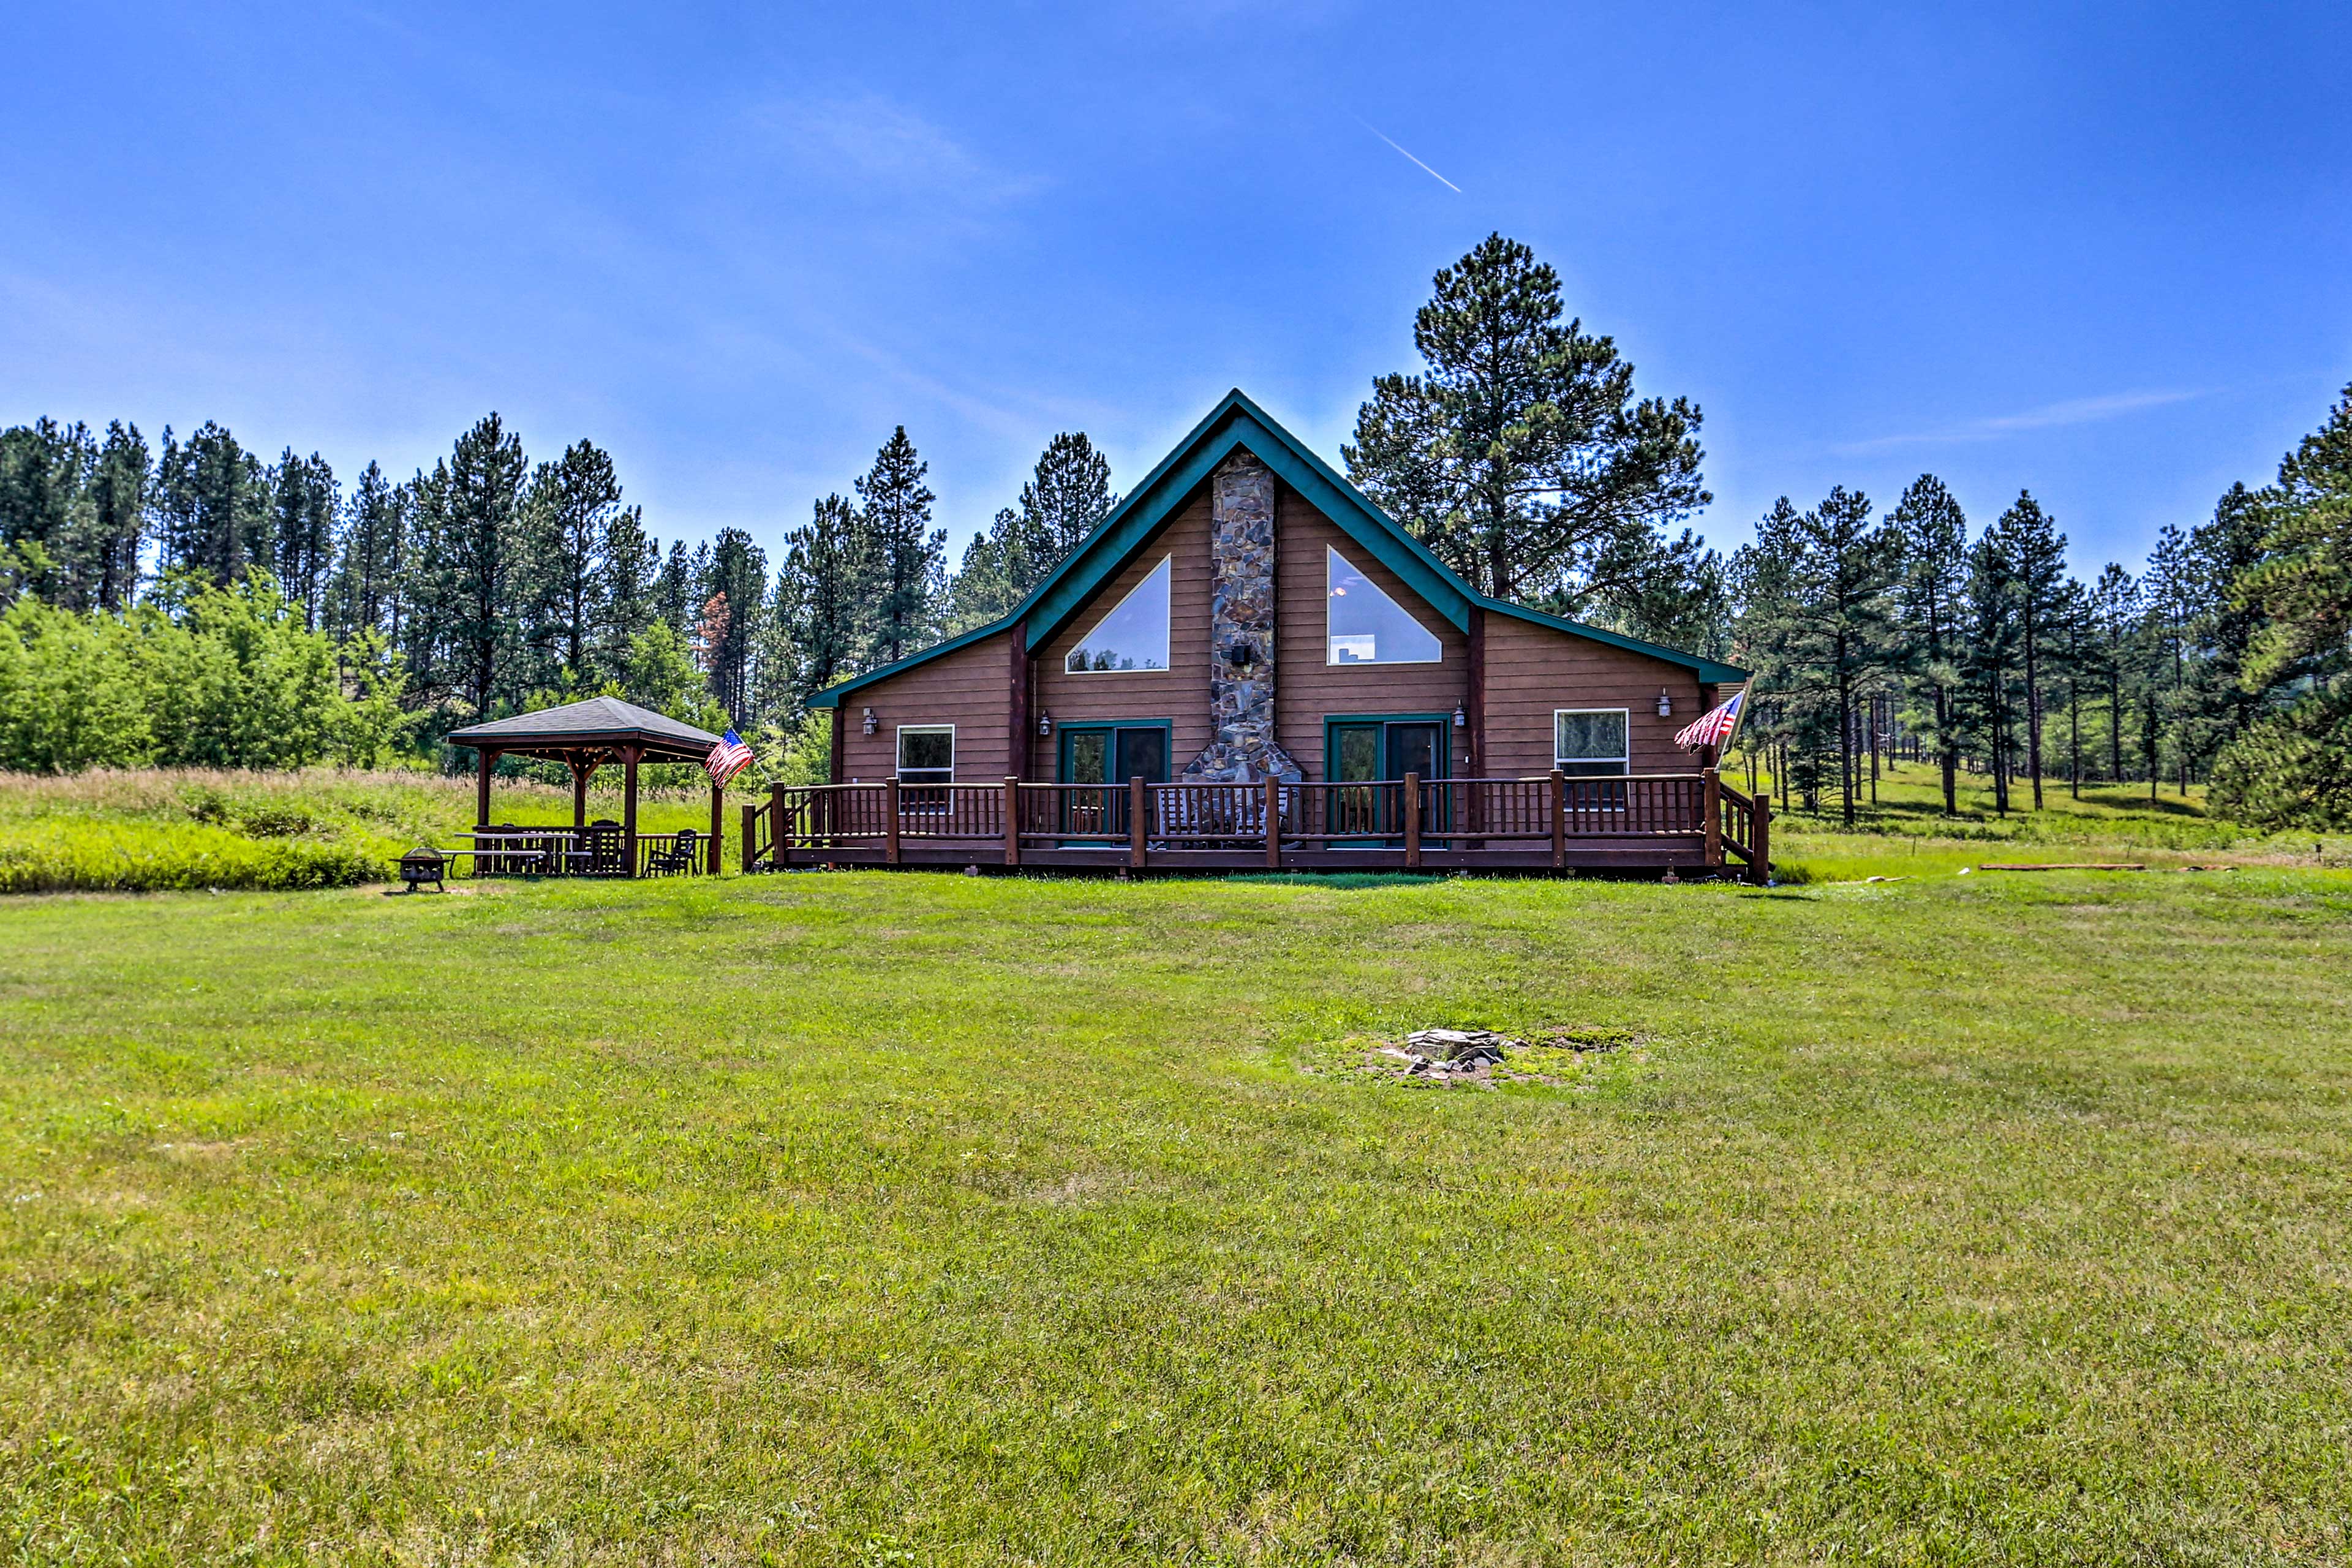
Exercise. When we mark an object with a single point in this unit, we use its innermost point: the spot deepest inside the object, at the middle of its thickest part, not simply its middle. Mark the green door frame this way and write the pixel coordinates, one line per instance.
(1444, 723)
(1115, 800)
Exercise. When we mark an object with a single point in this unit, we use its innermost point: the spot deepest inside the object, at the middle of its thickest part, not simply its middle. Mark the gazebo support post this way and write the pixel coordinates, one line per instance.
(718, 821)
(629, 811)
(487, 759)
(580, 769)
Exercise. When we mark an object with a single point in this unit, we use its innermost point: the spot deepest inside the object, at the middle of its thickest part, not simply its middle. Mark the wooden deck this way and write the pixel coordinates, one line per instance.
(1548, 823)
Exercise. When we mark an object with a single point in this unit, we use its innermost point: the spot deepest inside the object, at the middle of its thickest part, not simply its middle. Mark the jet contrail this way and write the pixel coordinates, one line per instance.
(1409, 157)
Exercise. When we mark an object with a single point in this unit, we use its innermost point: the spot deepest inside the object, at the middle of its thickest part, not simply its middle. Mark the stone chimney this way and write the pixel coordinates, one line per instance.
(1241, 630)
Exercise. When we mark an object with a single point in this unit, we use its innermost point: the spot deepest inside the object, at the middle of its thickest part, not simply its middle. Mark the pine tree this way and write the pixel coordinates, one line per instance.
(2224, 550)
(213, 501)
(1066, 497)
(1521, 457)
(2114, 613)
(1992, 659)
(630, 564)
(817, 595)
(303, 505)
(1934, 585)
(118, 492)
(369, 559)
(2036, 551)
(674, 597)
(902, 557)
(2173, 602)
(469, 508)
(1763, 578)
(736, 586)
(980, 590)
(567, 520)
(1839, 624)
(45, 471)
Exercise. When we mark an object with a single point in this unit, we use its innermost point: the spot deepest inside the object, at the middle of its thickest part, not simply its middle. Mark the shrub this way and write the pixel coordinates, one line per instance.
(2291, 769)
(71, 855)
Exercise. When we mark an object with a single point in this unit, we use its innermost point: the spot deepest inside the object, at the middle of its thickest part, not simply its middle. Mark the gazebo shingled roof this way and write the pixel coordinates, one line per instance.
(597, 723)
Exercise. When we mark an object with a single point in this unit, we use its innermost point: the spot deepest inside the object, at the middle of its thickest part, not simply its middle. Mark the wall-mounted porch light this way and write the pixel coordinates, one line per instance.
(1461, 718)
(1044, 723)
(872, 724)
(1665, 705)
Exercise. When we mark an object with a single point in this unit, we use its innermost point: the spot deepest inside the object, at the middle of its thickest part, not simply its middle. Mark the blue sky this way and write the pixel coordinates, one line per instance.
(2102, 252)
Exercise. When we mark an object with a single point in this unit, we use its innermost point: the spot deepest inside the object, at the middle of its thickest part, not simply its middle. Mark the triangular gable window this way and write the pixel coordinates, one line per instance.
(1134, 635)
(1364, 626)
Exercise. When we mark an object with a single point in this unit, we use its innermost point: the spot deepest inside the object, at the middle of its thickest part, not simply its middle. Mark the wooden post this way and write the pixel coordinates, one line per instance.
(1273, 823)
(776, 825)
(1474, 706)
(717, 823)
(1714, 809)
(628, 811)
(1558, 820)
(1012, 812)
(1412, 822)
(890, 821)
(1760, 869)
(1017, 714)
(750, 838)
(580, 769)
(487, 759)
(1134, 821)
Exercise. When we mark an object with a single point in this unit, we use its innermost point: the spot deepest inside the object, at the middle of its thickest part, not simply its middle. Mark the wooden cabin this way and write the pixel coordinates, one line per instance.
(1250, 664)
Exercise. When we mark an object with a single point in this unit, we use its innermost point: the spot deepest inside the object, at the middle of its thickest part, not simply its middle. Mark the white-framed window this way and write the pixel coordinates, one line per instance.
(1364, 626)
(926, 753)
(1592, 742)
(1133, 637)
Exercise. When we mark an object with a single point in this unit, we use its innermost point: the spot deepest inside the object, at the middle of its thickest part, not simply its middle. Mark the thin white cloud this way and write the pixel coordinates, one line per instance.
(872, 141)
(2050, 415)
(1410, 158)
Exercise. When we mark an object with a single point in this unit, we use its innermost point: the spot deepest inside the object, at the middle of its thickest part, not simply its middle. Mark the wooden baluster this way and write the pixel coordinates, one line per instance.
(1135, 799)
(1412, 822)
(1012, 820)
(890, 821)
(1558, 820)
(1273, 823)
(1713, 808)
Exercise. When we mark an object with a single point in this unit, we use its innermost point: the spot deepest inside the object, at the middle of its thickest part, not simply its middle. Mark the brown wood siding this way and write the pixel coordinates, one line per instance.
(1532, 671)
(1307, 689)
(969, 688)
(1179, 693)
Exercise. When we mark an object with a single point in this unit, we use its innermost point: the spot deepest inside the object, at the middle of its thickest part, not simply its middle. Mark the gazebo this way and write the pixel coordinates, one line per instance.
(584, 736)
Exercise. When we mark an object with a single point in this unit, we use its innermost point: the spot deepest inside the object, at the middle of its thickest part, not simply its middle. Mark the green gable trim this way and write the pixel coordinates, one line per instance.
(1236, 421)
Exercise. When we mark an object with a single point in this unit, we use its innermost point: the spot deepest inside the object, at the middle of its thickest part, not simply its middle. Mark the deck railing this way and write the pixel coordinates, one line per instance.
(1537, 820)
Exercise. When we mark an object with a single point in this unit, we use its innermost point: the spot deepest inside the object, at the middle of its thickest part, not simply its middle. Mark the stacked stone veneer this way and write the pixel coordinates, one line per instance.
(1241, 616)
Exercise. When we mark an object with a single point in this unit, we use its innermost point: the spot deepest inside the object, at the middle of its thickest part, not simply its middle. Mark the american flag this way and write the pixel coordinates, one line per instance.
(727, 759)
(1714, 726)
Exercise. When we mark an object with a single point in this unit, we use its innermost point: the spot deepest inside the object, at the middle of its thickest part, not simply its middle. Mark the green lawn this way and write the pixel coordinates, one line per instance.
(874, 1219)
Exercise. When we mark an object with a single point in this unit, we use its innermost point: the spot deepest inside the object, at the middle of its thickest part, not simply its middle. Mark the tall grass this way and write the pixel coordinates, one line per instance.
(148, 830)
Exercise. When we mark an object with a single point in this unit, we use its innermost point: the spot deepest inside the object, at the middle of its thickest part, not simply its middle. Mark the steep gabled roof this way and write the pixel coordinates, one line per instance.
(1236, 421)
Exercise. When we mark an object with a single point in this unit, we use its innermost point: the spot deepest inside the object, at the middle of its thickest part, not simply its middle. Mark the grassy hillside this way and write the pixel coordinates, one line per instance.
(869, 1219)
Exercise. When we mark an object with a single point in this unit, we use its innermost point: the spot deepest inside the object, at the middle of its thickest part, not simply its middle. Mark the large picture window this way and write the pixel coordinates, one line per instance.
(1134, 635)
(1364, 626)
(1590, 743)
(926, 753)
